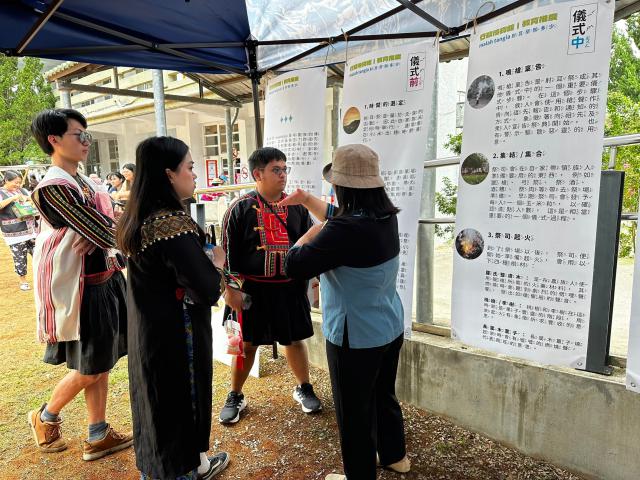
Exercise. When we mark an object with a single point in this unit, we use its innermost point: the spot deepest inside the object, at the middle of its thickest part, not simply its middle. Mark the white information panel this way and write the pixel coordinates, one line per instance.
(294, 122)
(386, 105)
(529, 182)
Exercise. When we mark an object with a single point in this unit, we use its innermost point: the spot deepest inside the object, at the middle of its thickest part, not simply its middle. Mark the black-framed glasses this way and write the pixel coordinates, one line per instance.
(280, 170)
(83, 137)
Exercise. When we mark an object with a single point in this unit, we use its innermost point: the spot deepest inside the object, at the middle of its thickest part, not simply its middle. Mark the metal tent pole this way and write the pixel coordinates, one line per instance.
(229, 124)
(158, 103)
(254, 75)
(425, 247)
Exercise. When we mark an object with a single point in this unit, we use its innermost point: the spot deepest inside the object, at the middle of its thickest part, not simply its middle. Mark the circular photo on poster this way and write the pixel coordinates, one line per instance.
(474, 169)
(481, 91)
(351, 120)
(469, 244)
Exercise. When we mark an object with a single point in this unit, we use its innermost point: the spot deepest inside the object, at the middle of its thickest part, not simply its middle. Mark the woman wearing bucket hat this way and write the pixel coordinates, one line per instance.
(357, 252)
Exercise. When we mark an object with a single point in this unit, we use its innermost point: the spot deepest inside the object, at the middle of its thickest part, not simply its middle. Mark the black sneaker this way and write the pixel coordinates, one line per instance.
(217, 463)
(304, 395)
(235, 403)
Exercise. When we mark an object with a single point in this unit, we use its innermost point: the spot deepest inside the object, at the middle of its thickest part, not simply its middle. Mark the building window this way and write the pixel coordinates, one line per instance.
(93, 159)
(144, 86)
(113, 149)
(211, 141)
(215, 141)
(131, 72)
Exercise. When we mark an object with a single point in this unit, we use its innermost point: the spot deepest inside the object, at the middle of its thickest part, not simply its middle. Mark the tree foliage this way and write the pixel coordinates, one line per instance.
(23, 93)
(454, 143)
(446, 200)
(623, 117)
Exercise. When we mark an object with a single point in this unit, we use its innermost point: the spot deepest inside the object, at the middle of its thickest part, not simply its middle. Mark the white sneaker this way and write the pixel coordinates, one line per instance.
(335, 476)
(25, 286)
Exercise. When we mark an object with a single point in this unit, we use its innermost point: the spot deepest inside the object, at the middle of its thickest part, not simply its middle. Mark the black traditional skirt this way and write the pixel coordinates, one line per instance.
(103, 330)
(279, 312)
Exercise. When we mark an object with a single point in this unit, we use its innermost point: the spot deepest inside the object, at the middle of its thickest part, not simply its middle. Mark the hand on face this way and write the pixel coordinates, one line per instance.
(127, 174)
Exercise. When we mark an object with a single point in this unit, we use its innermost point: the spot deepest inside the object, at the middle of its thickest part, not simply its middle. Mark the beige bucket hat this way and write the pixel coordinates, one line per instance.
(354, 166)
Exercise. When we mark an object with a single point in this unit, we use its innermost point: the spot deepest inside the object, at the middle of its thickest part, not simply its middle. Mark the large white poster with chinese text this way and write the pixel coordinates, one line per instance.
(294, 123)
(633, 352)
(386, 105)
(529, 182)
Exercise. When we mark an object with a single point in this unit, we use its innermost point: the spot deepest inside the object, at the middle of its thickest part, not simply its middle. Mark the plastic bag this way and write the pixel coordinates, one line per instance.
(233, 330)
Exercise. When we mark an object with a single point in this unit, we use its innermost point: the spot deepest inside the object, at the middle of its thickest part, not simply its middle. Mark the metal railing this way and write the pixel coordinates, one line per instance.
(442, 330)
(611, 142)
(225, 188)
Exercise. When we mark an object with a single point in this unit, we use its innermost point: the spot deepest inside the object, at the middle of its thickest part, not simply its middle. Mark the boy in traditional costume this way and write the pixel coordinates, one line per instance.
(256, 236)
(79, 289)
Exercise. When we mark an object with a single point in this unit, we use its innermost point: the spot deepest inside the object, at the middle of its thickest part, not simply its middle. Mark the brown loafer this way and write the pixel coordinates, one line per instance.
(111, 443)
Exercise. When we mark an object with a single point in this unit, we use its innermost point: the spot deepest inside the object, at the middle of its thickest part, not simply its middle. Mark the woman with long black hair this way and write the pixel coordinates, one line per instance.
(172, 286)
(357, 252)
(127, 176)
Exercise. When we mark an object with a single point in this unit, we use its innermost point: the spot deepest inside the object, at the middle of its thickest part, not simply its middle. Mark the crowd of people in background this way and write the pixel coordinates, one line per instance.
(83, 231)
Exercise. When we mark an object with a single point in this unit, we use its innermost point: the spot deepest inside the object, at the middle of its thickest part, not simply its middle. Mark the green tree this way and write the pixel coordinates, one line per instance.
(447, 197)
(23, 93)
(446, 200)
(623, 117)
(633, 28)
(454, 143)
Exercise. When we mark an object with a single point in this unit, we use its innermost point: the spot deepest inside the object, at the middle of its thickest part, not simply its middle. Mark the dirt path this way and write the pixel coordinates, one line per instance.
(274, 440)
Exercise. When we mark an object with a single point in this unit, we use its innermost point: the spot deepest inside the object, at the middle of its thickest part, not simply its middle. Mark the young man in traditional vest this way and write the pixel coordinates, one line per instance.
(79, 289)
(257, 234)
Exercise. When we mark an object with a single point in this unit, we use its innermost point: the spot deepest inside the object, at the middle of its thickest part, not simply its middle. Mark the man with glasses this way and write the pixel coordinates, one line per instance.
(257, 234)
(79, 289)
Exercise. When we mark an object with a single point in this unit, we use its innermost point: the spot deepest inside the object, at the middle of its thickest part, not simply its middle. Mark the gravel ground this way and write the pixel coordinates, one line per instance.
(274, 440)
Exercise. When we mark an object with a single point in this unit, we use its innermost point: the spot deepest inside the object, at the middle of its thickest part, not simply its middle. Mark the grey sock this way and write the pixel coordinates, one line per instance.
(47, 416)
(97, 431)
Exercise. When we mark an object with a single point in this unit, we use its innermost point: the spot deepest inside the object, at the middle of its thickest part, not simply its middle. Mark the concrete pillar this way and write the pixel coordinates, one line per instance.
(115, 80)
(196, 146)
(65, 96)
(158, 103)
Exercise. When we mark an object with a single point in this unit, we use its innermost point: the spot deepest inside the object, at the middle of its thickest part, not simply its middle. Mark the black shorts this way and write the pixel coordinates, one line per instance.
(279, 312)
(103, 330)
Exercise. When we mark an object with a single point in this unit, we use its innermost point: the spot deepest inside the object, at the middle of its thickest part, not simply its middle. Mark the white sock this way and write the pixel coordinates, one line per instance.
(204, 463)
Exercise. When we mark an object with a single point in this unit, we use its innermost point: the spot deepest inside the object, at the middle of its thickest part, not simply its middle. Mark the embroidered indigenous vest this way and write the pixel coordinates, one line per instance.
(58, 271)
(166, 224)
(274, 238)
